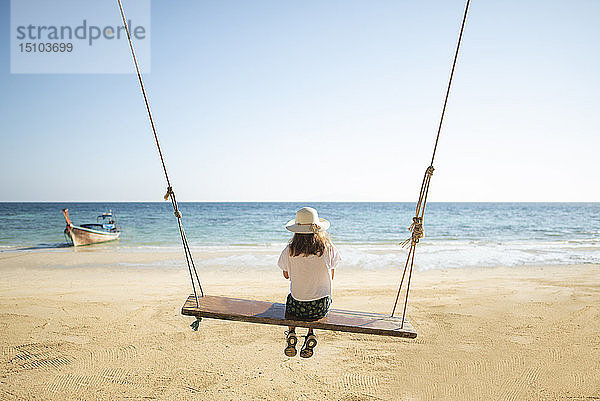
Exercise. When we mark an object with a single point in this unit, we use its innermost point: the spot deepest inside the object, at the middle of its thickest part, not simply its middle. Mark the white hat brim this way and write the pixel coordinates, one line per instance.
(306, 228)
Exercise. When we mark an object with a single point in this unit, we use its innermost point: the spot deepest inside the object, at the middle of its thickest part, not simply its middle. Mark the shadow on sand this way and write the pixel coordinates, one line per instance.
(44, 246)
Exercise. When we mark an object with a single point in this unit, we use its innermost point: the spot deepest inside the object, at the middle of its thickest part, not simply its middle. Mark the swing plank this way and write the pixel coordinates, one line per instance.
(244, 310)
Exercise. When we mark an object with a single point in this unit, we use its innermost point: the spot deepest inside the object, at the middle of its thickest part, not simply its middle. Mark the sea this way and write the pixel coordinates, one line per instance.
(251, 235)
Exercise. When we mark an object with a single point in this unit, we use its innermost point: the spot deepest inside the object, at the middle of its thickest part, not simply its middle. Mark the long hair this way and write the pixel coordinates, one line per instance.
(309, 244)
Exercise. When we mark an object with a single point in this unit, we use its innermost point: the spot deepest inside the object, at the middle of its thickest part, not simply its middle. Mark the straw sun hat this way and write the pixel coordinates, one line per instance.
(307, 221)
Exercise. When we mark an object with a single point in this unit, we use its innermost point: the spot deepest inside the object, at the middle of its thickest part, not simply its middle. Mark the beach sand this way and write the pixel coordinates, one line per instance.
(106, 325)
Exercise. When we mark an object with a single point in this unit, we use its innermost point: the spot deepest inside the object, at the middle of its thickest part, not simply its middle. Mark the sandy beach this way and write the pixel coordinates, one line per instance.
(105, 325)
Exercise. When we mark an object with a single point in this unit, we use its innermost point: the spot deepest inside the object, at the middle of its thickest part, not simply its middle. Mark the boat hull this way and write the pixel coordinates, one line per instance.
(84, 236)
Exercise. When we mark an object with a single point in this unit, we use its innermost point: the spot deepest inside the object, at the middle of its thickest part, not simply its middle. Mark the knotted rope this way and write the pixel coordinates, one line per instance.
(417, 225)
(196, 323)
(170, 193)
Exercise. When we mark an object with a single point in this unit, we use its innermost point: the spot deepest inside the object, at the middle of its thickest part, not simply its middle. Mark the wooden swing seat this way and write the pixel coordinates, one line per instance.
(244, 310)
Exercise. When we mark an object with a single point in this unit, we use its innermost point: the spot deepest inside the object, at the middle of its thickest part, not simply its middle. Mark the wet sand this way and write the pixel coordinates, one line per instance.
(106, 325)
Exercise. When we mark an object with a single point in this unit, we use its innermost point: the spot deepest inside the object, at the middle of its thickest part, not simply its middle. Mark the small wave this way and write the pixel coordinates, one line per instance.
(441, 255)
(430, 254)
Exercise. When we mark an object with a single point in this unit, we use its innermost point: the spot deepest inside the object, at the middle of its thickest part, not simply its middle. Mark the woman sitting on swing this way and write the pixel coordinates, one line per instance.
(309, 262)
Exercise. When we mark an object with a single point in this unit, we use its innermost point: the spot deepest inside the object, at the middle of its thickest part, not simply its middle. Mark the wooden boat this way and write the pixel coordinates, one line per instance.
(105, 229)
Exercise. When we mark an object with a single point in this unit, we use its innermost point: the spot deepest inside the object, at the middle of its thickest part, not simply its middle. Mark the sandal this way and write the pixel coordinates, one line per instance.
(310, 342)
(292, 340)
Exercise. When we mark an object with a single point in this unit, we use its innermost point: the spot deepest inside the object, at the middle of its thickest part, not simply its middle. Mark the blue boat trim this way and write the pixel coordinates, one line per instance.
(96, 231)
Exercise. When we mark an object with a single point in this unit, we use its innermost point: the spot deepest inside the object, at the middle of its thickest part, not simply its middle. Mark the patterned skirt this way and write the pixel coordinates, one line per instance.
(307, 310)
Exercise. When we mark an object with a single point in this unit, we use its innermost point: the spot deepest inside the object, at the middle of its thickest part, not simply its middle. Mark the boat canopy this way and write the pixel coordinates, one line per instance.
(104, 216)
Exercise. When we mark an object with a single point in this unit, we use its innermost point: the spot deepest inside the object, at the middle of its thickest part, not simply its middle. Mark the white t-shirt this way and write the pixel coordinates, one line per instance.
(310, 277)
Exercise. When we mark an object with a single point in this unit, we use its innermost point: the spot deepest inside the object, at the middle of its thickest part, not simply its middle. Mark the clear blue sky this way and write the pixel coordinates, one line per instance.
(320, 100)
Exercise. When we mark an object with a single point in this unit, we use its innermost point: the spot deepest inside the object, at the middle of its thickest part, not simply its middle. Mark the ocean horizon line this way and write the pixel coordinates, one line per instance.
(303, 201)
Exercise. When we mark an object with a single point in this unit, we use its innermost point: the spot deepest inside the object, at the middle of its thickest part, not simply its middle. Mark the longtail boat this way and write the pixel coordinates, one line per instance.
(105, 229)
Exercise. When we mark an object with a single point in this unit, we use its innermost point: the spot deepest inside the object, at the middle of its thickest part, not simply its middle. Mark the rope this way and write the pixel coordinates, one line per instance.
(170, 193)
(462, 28)
(196, 323)
(416, 227)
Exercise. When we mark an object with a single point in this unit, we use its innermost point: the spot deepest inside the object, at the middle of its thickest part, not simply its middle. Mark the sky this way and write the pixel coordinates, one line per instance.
(319, 101)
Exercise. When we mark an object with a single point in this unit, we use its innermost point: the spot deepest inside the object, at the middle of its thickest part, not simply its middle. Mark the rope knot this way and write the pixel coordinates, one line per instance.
(169, 193)
(177, 214)
(417, 232)
(417, 229)
(196, 323)
(429, 171)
